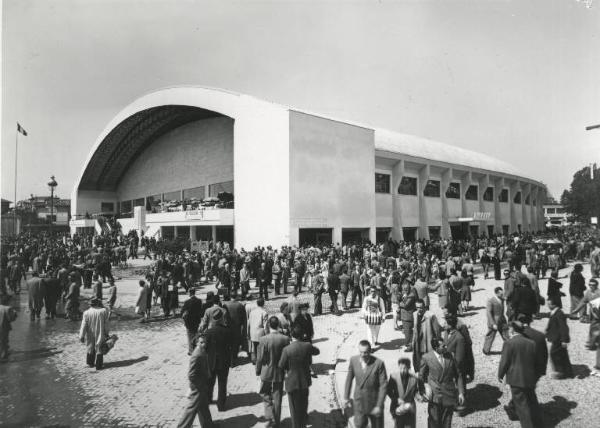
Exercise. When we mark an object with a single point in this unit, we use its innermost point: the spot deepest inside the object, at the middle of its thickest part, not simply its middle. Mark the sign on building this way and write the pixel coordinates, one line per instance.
(481, 216)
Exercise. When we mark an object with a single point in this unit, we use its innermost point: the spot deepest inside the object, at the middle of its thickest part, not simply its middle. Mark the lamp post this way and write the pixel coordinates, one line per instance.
(52, 184)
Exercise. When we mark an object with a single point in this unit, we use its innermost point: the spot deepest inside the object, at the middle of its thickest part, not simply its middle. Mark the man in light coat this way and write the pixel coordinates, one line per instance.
(94, 331)
(257, 326)
(36, 296)
(496, 320)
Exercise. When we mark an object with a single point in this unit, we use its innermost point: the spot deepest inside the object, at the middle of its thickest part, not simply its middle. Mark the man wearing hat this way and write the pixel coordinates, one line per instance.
(72, 306)
(218, 341)
(94, 331)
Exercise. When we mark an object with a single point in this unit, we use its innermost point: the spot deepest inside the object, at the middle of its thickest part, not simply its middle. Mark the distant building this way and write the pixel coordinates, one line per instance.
(42, 208)
(5, 206)
(555, 215)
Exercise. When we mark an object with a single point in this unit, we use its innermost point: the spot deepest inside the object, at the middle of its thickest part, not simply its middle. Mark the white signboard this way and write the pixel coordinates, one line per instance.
(594, 220)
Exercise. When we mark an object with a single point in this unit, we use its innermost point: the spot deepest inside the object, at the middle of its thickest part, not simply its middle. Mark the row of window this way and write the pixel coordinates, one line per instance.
(408, 186)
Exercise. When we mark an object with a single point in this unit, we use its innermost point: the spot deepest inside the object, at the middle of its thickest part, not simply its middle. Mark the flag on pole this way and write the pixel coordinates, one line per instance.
(21, 129)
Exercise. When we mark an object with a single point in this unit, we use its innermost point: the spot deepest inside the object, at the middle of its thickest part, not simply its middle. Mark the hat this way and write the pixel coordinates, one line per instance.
(593, 281)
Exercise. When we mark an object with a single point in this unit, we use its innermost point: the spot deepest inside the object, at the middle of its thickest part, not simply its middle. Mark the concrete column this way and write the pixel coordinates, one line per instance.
(446, 179)
(373, 234)
(206, 189)
(525, 192)
(214, 233)
(176, 231)
(397, 174)
(424, 174)
(465, 181)
(514, 188)
(533, 209)
(337, 235)
(498, 186)
(193, 233)
(483, 184)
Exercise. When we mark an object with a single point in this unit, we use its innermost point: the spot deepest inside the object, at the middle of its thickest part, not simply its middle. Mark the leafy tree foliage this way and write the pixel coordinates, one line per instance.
(582, 199)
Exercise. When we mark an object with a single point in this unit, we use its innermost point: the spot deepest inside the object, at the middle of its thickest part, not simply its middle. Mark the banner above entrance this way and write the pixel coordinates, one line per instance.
(481, 216)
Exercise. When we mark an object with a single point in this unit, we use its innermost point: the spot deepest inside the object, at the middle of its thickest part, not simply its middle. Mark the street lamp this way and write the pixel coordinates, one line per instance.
(52, 184)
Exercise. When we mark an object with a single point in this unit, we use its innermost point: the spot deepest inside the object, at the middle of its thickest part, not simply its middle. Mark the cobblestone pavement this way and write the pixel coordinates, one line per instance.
(47, 383)
(565, 403)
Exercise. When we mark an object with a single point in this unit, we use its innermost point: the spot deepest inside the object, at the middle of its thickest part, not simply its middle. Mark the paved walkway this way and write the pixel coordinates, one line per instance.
(561, 400)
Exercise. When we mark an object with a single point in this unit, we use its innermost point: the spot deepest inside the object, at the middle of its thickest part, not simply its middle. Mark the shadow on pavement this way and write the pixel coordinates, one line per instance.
(482, 397)
(557, 410)
(476, 308)
(242, 421)
(244, 399)
(322, 368)
(34, 354)
(335, 419)
(391, 346)
(319, 340)
(124, 363)
(581, 371)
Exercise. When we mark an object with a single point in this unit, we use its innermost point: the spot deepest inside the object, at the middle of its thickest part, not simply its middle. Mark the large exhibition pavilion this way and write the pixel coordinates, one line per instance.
(211, 164)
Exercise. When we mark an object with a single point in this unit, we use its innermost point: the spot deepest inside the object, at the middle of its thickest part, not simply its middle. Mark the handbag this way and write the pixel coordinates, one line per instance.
(108, 344)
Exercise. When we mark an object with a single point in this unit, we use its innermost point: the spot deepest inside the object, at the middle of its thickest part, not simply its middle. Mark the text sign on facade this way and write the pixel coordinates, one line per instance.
(194, 215)
(481, 216)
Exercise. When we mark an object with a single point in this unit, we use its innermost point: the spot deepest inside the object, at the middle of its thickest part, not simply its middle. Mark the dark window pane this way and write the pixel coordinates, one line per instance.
(472, 192)
(408, 186)
(488, 195)
(195, 193)
(153, 203)
(382, 183)
(107, 207)
(503, 196)
(138, 202)
(528, 200)
(126, 207)
(517, 198)
(453, 191)
(215, 189)
(432, 188)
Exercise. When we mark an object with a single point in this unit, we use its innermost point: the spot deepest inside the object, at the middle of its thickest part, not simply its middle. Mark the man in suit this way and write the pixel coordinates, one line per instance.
(36, 296)
(218, 341)
(518, 364)
(426, 327)
(257, 326)
(496, 320)
(237, 325)
(296, 359)
(442, 383)
(212, 306)
(407, 308)
(370, 387)
(7, 316)
(270, 348)
(192, 313)
(355, 280)
(510, 285)
(262, 282)
(198, 398)
(333, 287)
(344, 288)
(401, 388)
(557, 333)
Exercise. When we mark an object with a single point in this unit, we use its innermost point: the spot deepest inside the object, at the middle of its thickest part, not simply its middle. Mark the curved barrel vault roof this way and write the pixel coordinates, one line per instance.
(156, 113)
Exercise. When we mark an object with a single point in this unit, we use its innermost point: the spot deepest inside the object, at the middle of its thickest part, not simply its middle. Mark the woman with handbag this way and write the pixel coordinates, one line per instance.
(373, 312)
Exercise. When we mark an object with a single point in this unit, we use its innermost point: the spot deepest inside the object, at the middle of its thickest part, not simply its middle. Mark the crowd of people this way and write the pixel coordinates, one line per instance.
(392, 277)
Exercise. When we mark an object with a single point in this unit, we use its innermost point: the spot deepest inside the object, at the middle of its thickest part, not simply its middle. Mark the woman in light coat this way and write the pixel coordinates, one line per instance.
(141, 306)
(94, 331)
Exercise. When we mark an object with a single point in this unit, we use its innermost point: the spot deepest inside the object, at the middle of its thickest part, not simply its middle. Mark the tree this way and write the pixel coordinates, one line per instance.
(550, 200)
(582, 199)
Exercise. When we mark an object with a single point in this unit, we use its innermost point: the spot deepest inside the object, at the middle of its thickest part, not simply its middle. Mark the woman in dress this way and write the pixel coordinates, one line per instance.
(373, 312)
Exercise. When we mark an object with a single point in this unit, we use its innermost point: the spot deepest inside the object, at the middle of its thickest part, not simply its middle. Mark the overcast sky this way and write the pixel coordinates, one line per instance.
(518, 80)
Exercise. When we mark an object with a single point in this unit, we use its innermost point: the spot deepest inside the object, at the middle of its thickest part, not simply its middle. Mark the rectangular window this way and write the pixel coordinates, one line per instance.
(560, 211)
(153, 203)
(382, 183)
(517, 198)
(408, 186)
(453, 191)
(435, 232)
(126, 207)
(215, 189)
(171, 196)
(505, 229)
(196, 193)
(472, 193)
(488, 195)
(139, 202)
(503, 196)
(107, 207)
(432, 189)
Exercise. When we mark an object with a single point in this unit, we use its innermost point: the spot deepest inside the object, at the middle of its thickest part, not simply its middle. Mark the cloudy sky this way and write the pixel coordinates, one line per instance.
(518, 80)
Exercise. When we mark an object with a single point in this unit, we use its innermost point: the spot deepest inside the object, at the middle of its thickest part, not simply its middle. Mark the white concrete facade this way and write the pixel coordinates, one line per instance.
(295, 171)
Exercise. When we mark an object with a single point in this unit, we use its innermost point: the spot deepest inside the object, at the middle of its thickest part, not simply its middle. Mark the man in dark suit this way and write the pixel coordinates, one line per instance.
(496, 320)
(198, 398)
(237, 325)
(192, 313)
(442, 383)
(218, 340)
(333, 287)
(510, 285)
(370, 388)
(402, 388)
(557, 334)
(518, 364)
(525, 299)
(296, 359)
(407, 307)
(261, 281)
(270, 348)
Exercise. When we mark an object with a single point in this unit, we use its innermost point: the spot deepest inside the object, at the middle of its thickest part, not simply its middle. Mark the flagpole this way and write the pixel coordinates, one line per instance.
(15, 206)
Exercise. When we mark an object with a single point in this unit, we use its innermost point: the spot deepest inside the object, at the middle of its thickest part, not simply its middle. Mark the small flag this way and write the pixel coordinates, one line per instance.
(21, 129)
